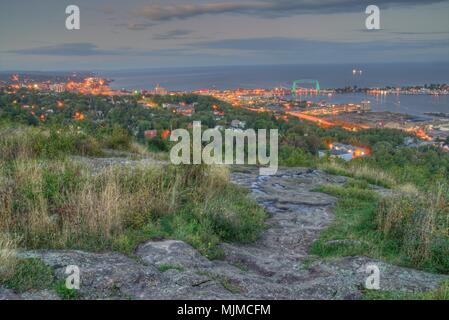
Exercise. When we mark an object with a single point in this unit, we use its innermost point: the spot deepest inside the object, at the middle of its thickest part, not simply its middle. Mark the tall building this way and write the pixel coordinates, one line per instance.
(365, 105)
(160, 90)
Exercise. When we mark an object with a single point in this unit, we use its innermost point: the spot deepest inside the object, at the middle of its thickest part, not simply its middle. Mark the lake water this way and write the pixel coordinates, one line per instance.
(410, 104)
(329, 76)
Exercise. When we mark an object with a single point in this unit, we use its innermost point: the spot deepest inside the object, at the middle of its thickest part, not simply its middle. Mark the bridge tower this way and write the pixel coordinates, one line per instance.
(296, 84)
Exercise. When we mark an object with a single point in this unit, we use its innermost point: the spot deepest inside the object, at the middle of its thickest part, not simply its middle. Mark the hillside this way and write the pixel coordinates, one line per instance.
(93, 192)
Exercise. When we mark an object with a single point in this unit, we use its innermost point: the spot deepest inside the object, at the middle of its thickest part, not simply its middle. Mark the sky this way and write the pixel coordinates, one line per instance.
(138, 34)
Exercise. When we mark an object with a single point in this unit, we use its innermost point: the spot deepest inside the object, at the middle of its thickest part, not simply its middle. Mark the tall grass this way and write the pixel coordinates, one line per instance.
(49, 201)
(60, 204)
(409, 228)
(419, 221)
(360, 171)
(30, 143)
(8, 260)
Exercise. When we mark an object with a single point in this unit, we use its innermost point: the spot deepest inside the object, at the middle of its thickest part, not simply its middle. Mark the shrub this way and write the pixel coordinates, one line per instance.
(292, 157)
(117, 138)
(157, 145)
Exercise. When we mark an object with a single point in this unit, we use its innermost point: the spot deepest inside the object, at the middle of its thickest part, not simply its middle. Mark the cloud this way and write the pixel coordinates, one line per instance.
(67, 49)
(273, 45)
(107, 9)
(135, 26)
(413, 33)
(294, 50)
(138, 26)
(266, 8)
(174, 34)
(90, 49)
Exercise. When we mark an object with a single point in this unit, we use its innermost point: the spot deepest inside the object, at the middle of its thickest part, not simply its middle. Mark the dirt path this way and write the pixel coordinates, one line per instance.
(277, 266)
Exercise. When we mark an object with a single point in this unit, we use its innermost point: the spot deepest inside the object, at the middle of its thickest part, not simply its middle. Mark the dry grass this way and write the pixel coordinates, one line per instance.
(420, 222)
(30, 143)
(48, 200)
(18, 144)
(61, 204)
(409, 189)
(360, 171)
(8, 260)
(58, 202)
(409, 226)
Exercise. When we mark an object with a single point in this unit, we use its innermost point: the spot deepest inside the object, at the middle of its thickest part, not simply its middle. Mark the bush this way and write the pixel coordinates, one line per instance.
(293, 157)
(117, 138)
(157, 145)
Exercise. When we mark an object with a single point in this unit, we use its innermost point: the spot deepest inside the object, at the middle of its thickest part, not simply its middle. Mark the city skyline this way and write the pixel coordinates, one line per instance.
(144, 34)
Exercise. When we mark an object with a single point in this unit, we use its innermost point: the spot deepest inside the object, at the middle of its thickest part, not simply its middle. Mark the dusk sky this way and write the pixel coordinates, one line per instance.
(143, 34)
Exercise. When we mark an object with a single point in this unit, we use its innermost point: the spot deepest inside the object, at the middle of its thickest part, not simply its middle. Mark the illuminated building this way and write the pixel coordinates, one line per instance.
(344, 151)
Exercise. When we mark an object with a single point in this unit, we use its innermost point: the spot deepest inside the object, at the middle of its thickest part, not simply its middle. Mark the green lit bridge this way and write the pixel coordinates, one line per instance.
(296, 84)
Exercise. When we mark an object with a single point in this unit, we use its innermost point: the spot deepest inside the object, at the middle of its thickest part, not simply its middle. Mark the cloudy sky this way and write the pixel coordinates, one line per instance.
(144, 33)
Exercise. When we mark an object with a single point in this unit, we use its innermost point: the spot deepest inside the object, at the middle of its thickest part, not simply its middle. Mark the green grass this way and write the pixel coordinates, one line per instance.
(227, 215)
(357, 230)
(30, 274)
(355, 216)
(360, 172)
(59, 204)
(419, 222)
(240, 266)
(64, 293)
(441, 293)
(31, 143)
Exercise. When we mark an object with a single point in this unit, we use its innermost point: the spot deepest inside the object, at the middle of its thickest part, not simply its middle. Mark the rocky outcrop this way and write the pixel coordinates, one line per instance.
(7, 294)
(277, 266)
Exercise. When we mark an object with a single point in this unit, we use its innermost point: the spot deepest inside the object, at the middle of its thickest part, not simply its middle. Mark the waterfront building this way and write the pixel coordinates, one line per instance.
(365, 106)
